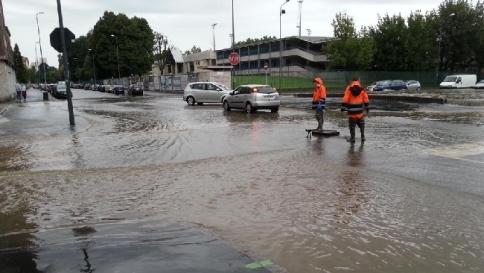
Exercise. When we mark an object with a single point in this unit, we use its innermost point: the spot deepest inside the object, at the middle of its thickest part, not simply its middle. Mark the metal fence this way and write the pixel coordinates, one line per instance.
(337, 79)
(288, 80)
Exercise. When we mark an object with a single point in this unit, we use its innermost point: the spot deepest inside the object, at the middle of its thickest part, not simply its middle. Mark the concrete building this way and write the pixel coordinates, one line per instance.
(26, 62)
(7, 72)
(299, 54)
(184, 64)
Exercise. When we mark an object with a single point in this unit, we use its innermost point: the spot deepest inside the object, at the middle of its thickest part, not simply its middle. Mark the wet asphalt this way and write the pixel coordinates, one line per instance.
(409, 199)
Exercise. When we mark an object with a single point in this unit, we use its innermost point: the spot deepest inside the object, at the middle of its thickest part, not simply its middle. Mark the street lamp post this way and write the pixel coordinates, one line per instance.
(281, 12)
(117, 49)
(93, 65)
(233, 47)
(437, 69)
(36, 63)
(213, 34)
(40, 45)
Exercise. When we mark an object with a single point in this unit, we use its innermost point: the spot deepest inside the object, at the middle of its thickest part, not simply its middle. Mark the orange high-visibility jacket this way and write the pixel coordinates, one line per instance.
(319, 94)
(355, 100)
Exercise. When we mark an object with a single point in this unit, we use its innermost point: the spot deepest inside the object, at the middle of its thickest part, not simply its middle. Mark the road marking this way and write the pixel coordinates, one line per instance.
(259, 264)
(460, 151)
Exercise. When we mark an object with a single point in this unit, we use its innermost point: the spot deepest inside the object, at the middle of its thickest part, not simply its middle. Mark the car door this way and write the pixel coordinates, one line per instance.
(236, 98)
(212, 93)
(244, 96)
(198, 91)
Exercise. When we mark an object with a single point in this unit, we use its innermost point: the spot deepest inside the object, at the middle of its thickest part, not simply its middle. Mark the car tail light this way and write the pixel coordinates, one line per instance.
(255, 90)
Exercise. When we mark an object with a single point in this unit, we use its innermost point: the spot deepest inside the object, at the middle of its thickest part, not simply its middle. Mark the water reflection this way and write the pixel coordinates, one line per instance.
(17, 244)
(243, 117)
(355, 156)
(85, 242)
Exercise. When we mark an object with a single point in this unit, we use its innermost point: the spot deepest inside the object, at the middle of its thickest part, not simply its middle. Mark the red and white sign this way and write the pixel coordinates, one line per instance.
(266, 66)
(234, 58)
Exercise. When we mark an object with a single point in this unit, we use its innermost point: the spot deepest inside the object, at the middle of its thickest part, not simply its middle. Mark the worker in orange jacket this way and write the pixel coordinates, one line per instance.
(319, 101)
(355, 102)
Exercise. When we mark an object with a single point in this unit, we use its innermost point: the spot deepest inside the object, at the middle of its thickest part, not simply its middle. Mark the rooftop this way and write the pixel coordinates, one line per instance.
(309, 39)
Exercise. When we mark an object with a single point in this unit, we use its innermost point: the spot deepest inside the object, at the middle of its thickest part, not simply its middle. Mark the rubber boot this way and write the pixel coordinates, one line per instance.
(362, 131)
(352, 123)
(319, 119)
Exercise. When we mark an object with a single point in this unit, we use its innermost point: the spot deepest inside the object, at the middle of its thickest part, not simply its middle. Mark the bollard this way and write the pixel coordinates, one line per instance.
(45, 95)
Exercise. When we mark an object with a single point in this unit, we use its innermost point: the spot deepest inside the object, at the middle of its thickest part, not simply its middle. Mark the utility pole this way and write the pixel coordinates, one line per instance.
(117, 49)
(41, 55)
(281, 12)
(233, 45)
(300, 2)
(66, 65)
(213, 34)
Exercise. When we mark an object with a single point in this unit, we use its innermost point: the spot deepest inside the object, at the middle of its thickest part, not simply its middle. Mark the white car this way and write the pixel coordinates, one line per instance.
(413, 85)
(205, 92)
(253, 97)
(479, 85)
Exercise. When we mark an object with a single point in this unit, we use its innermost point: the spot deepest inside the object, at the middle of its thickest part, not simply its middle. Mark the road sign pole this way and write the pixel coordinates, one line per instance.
(66, 66)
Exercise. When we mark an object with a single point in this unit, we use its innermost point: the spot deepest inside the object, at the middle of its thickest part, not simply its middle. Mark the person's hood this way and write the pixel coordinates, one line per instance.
(318, 81)
(355, 88)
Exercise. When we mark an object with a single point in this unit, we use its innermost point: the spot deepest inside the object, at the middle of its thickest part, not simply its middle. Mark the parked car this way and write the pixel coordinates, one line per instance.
(135, 90)
(87, 87)
(118, 90)
(205, 92)
(253, 97)
(105, 88)
(479, 85)
(458, 81)
(371, 86)
(394, 85)
(413, 85)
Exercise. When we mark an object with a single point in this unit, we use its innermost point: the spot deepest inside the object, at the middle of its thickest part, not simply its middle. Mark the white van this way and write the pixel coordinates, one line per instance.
(458, 81)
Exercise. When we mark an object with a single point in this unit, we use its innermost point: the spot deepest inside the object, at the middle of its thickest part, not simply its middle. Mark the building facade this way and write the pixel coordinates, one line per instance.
(7, 72)
(26, 62)
(299, 54)
(184, 64)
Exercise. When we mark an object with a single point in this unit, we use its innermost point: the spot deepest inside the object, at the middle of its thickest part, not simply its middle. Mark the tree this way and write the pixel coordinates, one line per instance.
(256, 40)
(21, 70)
(135, 39)
(420, 43)
(457, 20)
(350, 50)
(478, 46)
(81, 70)
(161, 51)
(194, 49)
(390, 36)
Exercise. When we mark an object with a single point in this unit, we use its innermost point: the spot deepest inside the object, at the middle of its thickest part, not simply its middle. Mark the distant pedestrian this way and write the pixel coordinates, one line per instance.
(18, 89)
(24, 92)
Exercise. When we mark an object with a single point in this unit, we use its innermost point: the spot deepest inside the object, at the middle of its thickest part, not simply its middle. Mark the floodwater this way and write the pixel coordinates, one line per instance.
(400, 202)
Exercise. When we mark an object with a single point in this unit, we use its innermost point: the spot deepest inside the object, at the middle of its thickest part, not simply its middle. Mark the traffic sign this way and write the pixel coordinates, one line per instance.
(55, 40)
(234, 58)
(266, 66)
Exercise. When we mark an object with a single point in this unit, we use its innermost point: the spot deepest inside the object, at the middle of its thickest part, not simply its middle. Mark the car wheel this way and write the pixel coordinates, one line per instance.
(226, 106)
(191, 100)
(275, 110)
(418, 88)
(249, 108)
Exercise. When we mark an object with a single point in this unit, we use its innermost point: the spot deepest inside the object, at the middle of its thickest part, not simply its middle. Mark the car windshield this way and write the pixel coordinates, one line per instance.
(223, 87)
(265, 89)
(118, 86)
(482, 81)
(450, 79)
(383, 83)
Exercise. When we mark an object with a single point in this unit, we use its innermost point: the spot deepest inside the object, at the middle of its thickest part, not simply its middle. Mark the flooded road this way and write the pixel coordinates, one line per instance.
(409, 200)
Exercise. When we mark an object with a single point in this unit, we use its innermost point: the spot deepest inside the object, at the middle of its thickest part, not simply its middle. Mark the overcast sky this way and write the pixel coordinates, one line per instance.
(188, 22)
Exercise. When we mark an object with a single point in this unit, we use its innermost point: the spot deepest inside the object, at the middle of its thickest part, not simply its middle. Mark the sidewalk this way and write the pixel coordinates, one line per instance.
(33, 95)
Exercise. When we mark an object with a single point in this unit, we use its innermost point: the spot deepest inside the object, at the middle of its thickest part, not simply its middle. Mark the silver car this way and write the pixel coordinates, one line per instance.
(413, 85)
(253, 97)
(205, 92)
